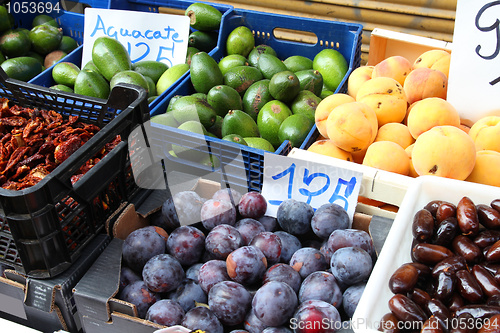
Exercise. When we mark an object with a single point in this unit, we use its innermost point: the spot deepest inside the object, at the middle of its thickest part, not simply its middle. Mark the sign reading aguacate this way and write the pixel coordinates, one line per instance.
(146, 36)
(474, 79)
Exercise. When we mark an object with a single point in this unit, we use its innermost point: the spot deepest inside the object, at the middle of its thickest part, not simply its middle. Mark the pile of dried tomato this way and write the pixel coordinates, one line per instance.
(34, 142)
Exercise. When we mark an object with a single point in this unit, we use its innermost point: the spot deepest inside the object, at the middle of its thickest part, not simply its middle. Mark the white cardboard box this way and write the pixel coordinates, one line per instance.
(397, 247)
(385, 43)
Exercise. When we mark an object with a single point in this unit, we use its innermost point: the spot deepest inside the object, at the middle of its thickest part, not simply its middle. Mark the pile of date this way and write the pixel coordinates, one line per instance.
(452, 284)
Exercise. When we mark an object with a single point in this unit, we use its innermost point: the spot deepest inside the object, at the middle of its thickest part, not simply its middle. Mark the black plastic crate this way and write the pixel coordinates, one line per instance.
(44, 228)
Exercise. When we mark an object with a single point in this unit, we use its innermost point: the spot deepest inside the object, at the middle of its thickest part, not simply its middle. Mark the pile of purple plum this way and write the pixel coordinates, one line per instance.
(221, 265)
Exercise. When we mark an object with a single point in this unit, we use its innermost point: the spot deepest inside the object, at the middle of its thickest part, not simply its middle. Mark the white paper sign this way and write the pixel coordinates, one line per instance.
(315, 183)
(474, 79)
(146, 36)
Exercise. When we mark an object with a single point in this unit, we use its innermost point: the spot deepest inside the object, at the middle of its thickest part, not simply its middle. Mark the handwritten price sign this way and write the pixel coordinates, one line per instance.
(314, 183)
(474, 81)
(146, 36)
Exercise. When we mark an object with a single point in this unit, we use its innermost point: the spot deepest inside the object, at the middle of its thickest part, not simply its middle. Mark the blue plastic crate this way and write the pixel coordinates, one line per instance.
(236, 165)
(344, 37)
(45, 79)
(341, 36)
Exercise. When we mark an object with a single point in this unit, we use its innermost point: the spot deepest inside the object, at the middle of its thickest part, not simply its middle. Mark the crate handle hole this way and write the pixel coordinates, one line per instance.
(292, 35)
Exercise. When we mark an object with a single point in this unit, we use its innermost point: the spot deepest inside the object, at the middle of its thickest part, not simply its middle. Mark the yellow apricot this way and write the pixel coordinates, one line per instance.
(328, 148)
(395, 132)
(412, 172)
(423, 83)
(386, 97)
(444, 151)
(396, 67)
(486, 169)
(357, 77)
(388, 156)
(486, 133)
(352, 126)
(430, 112)
(325, 107)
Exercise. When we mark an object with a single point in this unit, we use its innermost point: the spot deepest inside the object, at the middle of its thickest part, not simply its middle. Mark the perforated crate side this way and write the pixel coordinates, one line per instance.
(52, 221)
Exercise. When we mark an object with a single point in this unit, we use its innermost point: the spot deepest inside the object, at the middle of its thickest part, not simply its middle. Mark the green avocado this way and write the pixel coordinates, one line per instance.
(269, 65)
(203, 16)
(239, 122)
(193, 108)
(129, 77)
(22, 68)
(151, 68)
(310, 79)
(14, 43)
(68, 44)
(205, 72)
(110, 57)
(253, 56)
(203, 40)
(224, 98)
(242, 77)
(255, 97)
(45, 38)
(91, 83)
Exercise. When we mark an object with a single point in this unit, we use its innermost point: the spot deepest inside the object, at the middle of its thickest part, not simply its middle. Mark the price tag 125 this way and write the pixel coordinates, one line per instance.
(315, 183)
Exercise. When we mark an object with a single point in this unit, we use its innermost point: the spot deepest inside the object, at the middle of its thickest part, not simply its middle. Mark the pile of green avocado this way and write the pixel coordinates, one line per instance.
(111, 63)
(26, 53)
(251, 96)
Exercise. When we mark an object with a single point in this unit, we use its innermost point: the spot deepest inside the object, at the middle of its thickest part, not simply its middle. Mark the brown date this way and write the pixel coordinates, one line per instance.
(487, 238)
(456, 301)
(495, 204)
(445, 210)
(485, 250)
(492, 267)
(493, 300)
(433, 205)
(436, 308)
(468, 286)
(430, 254)
(468, 221)
(423, 225)
(449, 265)
(465, 247)
(423, 270)
(446, 232)
(405, 309)
(419, 296)
(445, 286)
(389, 323)
(403, 279)
(486, 281)
(493, 253)
(488, 216)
